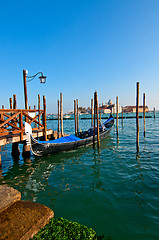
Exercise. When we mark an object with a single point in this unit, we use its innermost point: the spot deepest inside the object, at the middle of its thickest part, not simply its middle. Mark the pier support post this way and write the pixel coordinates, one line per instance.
(26, 150)
(15, 151)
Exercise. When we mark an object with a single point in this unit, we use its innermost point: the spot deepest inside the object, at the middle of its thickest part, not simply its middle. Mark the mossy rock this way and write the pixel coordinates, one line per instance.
(63, 229)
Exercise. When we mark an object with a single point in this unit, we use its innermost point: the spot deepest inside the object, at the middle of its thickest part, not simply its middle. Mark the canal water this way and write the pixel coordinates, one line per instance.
(114, 190)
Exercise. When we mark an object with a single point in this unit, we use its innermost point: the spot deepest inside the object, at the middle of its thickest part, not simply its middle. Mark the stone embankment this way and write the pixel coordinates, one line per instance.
(20, 220)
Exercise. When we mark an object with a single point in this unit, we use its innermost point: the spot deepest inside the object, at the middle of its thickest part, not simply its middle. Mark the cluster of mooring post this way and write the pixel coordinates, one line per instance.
(76, 117)
(60, 116)
(96, 120)
(137, 115)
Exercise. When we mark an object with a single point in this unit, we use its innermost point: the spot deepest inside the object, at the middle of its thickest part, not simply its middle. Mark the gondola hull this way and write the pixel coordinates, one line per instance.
(48, 147)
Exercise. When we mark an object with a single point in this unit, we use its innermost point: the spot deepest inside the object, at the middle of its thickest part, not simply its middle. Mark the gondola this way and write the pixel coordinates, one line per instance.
(71, 142)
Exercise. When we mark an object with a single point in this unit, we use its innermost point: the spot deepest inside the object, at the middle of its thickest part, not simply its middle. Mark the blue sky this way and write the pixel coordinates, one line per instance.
(82, 46)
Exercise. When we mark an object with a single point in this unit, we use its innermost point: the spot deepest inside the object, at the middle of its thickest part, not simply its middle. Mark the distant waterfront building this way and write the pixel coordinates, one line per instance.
(133, 109)
(113, 108)
(110, 108)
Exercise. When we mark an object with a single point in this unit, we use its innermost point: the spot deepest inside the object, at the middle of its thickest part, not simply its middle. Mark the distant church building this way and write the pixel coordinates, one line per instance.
(110, 108)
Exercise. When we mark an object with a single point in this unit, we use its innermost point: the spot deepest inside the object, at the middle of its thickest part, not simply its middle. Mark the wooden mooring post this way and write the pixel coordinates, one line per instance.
(58, 117)
(98, 140)
(137, 118)
(96, 117)
(92, 112)
(94, 125)
(117, 115)
(144, 113)
(61, 113)
(44, 118)
(75, 117)
(154, 111)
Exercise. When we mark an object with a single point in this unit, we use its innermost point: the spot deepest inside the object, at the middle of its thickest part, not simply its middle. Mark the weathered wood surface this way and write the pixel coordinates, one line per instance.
(12, 138)
(12, 124)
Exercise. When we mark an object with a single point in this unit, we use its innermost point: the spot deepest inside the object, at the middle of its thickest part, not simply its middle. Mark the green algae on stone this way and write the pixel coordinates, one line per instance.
(63, 229)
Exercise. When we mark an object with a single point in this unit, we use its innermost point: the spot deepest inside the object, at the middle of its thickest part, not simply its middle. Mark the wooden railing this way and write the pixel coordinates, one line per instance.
(12, 121)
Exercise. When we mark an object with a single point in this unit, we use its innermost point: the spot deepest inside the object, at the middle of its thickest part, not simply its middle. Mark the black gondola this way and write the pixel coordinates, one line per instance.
(70, 142)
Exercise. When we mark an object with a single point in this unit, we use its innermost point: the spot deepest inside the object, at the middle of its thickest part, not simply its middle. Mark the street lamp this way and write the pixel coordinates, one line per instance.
(30, 78)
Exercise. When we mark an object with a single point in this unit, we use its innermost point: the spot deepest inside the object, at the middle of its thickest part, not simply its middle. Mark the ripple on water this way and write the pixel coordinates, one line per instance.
(113, 190)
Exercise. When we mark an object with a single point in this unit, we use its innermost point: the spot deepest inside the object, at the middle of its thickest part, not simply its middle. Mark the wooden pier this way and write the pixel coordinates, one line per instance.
(12, 128)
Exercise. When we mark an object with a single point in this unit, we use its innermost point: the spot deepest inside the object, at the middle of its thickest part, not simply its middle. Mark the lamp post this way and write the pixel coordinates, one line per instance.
(30, 78)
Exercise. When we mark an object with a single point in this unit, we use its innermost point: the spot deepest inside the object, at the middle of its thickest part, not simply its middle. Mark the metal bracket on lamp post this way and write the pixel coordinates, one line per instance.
(42, 80)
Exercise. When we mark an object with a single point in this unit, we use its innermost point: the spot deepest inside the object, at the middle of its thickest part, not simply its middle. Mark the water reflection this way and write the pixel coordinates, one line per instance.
(96, 181)
(139, 182)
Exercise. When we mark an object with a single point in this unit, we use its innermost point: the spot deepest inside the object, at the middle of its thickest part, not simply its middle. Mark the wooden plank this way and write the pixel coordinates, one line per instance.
(16, 138)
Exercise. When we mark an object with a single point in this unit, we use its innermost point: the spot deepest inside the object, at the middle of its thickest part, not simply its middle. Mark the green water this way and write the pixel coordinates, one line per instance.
(114, 190)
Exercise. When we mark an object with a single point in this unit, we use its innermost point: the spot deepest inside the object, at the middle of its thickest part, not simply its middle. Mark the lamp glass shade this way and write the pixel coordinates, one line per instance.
(42, 79)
